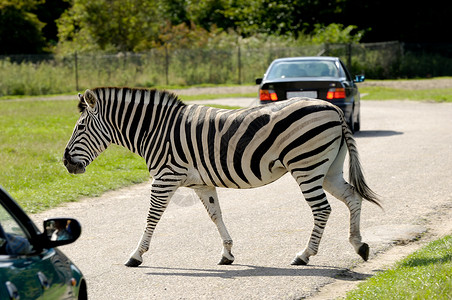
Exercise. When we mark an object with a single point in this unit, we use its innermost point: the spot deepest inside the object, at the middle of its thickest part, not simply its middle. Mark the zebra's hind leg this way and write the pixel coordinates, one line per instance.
(339, 188)
(209, 198)
(335, 184)
(161, 192)
(316, 198)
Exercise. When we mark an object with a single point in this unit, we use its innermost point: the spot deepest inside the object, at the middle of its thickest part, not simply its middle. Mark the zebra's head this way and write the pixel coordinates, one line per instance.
(89, 137)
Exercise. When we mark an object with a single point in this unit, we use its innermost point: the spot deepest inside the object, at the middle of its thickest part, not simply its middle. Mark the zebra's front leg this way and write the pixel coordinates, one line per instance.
(209, 198)
(321, 215)
(161, 193)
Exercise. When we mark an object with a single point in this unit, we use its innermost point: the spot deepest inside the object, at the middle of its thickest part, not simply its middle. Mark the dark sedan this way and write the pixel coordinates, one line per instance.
(318, 77)
(31, 267)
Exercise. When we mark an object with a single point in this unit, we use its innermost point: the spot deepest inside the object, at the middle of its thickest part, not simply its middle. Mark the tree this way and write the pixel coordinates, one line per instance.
(281, 17)
(108, 25)
(175, 11)
(136, 25)
(336, 33)
(20, 30)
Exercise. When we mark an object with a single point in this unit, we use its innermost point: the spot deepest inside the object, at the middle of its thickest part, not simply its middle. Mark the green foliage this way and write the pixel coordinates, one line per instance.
(20, 4)
(135, 25)
(211, 13)
(336, 34)
(430, 64)
(102, 25)
(27, 78)
(276, 17)
(93, 25)
(426, 274)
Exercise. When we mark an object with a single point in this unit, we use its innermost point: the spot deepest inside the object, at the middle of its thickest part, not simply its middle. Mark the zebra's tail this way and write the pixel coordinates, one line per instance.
(356, 176)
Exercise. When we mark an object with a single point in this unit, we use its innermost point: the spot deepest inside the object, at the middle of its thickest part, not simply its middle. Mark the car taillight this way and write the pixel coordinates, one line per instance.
(268, 95)
(338, 93)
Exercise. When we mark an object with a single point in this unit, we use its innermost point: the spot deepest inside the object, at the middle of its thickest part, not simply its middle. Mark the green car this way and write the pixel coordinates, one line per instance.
(31, 266)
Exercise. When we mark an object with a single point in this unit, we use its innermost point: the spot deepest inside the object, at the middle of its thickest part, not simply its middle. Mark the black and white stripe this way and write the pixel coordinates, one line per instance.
(204, 147)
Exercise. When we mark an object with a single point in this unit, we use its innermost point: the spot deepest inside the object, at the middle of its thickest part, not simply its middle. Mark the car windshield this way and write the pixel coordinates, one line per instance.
(13, 239)
(303, 68)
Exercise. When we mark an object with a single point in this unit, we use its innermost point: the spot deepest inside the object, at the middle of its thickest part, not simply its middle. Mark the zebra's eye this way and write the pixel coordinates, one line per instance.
(80, 127)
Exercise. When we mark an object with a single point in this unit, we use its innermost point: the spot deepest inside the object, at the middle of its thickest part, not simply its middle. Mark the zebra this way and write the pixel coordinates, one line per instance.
(203, 148)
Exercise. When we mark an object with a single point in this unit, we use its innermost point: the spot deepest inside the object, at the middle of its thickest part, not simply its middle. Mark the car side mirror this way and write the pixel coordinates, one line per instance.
(359, 78)
(61, 231)
(258, 80)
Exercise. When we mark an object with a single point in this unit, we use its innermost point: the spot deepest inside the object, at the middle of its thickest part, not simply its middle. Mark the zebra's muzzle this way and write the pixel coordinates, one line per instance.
(72, 166)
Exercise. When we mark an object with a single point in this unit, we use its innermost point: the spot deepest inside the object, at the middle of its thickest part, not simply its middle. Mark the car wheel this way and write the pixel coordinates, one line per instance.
(357, 125)
(83, 292)
(351, 123)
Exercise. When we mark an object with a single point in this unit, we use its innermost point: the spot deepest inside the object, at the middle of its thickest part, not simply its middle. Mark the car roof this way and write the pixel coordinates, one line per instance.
(319, 58)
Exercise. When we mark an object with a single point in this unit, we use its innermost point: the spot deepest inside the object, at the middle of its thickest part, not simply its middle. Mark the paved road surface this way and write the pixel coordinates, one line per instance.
(406, 151)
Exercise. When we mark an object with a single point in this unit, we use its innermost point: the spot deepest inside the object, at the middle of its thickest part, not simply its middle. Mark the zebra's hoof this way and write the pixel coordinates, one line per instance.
(364, 251)
(299, 262)
(133, 263)
(225, 261)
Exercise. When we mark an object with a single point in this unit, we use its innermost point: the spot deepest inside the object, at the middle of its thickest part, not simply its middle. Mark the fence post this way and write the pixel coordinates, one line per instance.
(349, 55)
(166, 64)
(76, 71)
(239, 64)
(327, 49)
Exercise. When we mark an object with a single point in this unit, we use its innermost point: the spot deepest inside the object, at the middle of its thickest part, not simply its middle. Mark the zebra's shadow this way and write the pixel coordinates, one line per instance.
(244, 271)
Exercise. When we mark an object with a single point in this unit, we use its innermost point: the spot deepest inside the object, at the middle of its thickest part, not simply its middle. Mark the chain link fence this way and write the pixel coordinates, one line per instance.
(52, 74)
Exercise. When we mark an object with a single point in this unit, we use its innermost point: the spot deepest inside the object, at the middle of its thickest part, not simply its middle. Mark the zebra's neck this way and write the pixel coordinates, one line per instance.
(136, 117)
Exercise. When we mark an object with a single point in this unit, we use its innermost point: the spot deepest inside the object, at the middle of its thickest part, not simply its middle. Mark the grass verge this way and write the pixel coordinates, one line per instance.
(384, 93)
(425, 274)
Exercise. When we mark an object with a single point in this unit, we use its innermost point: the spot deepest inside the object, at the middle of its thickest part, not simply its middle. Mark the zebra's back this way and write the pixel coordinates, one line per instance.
(252, 147)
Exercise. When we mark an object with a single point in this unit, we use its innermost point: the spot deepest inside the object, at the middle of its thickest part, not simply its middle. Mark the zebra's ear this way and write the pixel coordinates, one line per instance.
(81, 103)
(90, 98)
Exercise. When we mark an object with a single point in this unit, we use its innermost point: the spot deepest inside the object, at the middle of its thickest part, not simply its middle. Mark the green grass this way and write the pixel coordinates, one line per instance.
(181, 95)
(426, 274)
(384, 93)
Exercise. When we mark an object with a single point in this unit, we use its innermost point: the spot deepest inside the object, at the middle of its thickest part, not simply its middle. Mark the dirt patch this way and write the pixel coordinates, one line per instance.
(242, 89)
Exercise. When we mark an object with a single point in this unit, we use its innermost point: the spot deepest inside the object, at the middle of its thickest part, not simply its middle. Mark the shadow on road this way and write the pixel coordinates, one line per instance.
(376, 133)
(259, 271)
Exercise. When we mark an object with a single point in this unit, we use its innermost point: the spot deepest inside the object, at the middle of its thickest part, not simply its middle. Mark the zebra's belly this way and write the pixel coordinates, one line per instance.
(271, 171)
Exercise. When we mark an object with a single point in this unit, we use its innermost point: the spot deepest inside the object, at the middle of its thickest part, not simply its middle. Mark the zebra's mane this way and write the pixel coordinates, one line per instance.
(171, 98)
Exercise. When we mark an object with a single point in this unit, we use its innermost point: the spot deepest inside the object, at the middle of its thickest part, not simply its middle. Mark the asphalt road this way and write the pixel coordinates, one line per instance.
(406, 152)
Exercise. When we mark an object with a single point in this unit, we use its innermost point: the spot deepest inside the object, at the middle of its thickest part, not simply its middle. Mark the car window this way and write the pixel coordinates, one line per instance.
(303, 68)
(13, 238)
